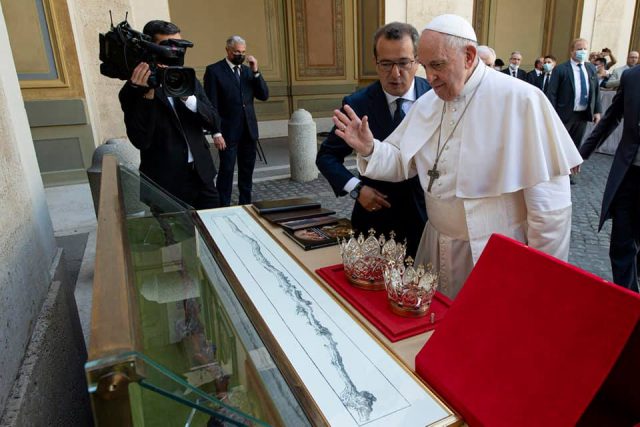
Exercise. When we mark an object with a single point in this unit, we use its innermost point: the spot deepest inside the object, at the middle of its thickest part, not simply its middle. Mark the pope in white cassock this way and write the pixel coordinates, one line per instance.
(485, 167)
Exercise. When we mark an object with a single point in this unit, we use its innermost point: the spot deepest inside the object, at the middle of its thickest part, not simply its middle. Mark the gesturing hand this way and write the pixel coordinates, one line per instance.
(353, 130)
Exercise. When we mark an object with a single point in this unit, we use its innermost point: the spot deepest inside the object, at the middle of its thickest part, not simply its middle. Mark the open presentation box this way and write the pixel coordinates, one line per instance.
(533, 341)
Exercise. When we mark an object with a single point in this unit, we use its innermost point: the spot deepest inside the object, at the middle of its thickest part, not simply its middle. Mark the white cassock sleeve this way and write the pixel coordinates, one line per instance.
(549, 216)
(385, 163)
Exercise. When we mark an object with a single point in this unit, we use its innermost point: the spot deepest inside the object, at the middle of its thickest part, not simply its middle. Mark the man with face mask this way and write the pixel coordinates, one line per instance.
(574, 91)
(548, 65)
(168, 132)
(510, 178)
(514, 66)
(231, 88)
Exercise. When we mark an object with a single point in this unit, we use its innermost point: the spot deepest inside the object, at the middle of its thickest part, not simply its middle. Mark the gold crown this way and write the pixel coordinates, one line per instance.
(365, 259)
(410, 289)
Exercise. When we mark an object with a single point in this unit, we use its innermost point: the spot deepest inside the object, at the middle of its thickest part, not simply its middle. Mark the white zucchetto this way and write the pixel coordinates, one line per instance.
(453, 25)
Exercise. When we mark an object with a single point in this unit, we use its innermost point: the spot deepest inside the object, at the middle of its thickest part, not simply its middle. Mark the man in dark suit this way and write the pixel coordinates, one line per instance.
(168, 132)
(621, 200)
(384, 206)
(536, 76)
(574, 91)
(514, 66)
(231, 88)
(549, 63)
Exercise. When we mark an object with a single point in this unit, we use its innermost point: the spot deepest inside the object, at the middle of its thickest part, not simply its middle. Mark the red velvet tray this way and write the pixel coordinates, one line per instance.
(374, 307)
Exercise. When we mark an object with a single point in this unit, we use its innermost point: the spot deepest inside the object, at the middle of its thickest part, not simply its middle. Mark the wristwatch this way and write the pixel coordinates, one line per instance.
(355, 193)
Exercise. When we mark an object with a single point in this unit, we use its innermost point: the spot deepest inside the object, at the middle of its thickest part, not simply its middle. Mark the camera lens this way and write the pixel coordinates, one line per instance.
(175, 80)
(179, 81)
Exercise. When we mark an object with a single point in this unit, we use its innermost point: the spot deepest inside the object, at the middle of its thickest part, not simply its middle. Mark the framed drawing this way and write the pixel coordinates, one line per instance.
(343, 375)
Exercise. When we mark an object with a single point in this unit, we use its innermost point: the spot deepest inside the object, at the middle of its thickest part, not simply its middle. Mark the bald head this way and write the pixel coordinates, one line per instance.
(487, 55)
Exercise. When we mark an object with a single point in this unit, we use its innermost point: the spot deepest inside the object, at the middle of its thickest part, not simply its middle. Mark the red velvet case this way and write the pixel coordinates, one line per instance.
(557, 346)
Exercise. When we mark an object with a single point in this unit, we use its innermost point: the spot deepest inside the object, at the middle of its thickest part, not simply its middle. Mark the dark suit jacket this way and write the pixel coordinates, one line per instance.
(522, 74)
(535, 79)
(153, 128)
(233, 101)
(626, 103)
(407, 215)
(561, 91)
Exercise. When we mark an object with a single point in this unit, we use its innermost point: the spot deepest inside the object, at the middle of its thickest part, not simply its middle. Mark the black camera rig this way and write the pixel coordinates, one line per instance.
(122, 48)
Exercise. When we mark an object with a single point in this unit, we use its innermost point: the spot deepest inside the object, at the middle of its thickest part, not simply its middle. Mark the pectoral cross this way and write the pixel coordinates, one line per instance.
(433, 175)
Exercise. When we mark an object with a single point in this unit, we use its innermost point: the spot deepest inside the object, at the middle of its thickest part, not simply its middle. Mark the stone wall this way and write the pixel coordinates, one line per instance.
(608, 24)
(27, 246)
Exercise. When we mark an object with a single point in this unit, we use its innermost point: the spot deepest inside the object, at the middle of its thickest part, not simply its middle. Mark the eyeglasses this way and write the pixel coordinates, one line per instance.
(404, 64)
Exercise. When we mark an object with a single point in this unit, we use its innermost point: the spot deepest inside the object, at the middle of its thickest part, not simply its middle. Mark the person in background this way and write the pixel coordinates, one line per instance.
(548, 65)
(601, 71)
(574, 91)
(487, 55)
(498, 64)
(535, 76)
(232, 87)
(514, 66)
(614, 78)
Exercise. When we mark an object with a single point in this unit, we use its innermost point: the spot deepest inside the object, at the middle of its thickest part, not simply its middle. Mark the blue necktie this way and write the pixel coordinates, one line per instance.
(399, 113)
(236, 72)
(584, 96)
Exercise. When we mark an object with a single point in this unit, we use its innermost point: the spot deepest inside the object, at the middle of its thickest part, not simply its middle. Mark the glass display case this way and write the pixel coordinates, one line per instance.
(193, 358)
(202, 319)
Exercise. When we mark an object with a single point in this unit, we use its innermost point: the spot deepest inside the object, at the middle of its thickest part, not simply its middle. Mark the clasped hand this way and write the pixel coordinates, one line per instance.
(353, 130)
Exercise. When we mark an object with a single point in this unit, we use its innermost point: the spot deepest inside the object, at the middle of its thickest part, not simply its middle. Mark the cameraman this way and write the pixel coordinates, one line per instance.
(169, 131)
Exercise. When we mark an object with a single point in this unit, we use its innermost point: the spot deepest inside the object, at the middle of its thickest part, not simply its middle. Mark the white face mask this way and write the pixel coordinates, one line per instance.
(513, 67)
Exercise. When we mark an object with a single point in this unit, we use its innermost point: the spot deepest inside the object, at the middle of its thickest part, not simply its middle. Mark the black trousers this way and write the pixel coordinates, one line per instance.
(625, 231)
(244, 152)
(200, 195)
(577, 126)
(194, 192)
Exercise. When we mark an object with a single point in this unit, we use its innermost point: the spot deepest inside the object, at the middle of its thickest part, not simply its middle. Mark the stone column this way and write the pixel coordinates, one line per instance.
(303, 146)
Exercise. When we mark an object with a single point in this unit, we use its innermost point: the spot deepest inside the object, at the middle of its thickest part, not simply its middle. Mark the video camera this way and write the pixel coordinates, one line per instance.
(123, 48)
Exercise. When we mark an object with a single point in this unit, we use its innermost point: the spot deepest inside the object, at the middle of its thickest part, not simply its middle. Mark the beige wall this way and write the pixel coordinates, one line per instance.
(608, 24)
(90, 17)
(420, 12)
(26, 238)
(509, 32)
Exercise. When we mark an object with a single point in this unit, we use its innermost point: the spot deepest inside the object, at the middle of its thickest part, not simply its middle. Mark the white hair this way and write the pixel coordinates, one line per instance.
(488, 51)
(234, 40)
(458, 43)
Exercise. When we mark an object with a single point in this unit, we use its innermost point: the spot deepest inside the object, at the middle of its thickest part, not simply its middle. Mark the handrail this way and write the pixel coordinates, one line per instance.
(115, 323)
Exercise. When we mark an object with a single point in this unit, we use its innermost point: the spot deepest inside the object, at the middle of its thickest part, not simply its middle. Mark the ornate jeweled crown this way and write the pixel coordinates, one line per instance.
(365, 259)
(410, 289)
